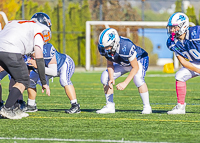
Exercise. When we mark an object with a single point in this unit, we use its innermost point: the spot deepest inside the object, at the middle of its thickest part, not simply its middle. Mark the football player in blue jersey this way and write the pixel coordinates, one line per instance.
(185, 42)
(122, 56)
(56, 64)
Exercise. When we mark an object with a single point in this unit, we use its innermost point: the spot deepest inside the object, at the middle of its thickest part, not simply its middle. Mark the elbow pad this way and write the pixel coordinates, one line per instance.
(51, 70)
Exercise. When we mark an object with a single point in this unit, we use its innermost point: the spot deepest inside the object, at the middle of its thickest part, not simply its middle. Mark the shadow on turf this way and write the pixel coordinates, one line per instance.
(94, 110)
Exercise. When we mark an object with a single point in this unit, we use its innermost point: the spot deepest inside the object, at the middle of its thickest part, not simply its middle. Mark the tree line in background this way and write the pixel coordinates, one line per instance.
(78, 12)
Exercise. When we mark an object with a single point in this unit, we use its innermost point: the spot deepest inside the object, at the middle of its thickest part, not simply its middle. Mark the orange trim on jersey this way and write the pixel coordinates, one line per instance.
(40, 35)
(47, 37)
(25, 21)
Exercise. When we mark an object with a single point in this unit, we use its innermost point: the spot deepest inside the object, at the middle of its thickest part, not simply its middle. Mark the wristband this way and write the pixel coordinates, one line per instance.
(41, 70)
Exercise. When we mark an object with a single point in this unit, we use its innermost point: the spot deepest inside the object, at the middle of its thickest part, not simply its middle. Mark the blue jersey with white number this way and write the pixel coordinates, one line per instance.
(49, 51)
(125, 50)
(189, 47)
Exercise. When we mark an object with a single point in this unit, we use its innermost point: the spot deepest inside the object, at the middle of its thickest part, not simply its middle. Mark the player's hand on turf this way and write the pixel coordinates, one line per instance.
(47, 89)
(111, 83)
(121, 86)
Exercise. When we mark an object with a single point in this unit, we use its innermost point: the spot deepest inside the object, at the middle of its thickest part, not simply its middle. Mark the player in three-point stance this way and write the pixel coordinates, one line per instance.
(20, 37)
(122, 56)
(56, 64)
(184, 41)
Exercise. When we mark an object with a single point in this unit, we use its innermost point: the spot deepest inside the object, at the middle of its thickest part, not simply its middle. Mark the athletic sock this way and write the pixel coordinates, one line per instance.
(12, 97)
(109, 98)
(181, 91)
(145, 98)
(73, 101)
(31, 102)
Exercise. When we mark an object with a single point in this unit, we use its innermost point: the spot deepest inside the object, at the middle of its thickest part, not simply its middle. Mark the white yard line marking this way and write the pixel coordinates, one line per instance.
(75, 140)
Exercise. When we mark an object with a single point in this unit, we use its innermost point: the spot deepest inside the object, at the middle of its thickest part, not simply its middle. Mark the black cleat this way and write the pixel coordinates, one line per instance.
(30, 108)
(74, 109)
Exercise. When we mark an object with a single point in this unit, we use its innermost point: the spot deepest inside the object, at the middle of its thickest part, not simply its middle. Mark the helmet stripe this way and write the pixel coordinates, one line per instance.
(102, 34)
(170, 20)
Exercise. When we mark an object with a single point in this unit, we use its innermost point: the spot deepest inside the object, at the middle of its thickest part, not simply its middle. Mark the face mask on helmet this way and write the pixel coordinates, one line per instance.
(42, 18)
(178, 24)
(109, 38)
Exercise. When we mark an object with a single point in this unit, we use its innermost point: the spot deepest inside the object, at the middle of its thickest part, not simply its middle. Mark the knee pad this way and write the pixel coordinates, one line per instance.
(64, 82)
(181, 76)
(104, 77)
(138, 81)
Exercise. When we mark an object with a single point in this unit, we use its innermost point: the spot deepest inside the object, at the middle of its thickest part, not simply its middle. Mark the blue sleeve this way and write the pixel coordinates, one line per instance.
(175, 47)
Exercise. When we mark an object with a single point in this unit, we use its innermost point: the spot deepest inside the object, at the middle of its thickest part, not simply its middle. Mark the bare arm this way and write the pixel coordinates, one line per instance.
(110, 68)
(52, 67)
(187, 64)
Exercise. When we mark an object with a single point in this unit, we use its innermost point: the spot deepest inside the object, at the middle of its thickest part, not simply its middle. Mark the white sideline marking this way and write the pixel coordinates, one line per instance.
(75, 140)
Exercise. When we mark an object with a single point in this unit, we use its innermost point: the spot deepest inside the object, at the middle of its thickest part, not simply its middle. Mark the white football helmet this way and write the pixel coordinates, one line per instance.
(109, 38)
(178, 19)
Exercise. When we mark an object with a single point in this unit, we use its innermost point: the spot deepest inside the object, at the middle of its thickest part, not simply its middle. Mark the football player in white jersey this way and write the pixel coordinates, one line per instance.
(20, 37)
(122, 56)
(56, 65)
(184, 41)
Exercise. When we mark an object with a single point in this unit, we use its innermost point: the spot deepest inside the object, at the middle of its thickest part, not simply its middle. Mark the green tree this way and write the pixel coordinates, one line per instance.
(10, 8)
(57, 26)
(178, 4)
(190, 12)
(199, 17)
(30, 8)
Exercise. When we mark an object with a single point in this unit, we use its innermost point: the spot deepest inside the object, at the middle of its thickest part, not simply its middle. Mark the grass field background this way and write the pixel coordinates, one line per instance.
(127, 124)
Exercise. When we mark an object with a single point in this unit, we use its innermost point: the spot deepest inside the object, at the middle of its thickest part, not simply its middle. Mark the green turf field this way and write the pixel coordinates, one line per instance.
(51, 124)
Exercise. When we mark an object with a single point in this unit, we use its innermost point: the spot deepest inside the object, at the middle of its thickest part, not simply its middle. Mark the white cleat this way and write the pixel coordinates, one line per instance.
(8, 113)
(178, 109)
(147, 110)
(20, 113)
(109, 108)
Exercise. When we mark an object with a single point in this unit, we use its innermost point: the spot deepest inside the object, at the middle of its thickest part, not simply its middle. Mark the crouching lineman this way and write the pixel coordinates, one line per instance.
(56, 64)
(122, 57)
(184, 41)
(20, 37)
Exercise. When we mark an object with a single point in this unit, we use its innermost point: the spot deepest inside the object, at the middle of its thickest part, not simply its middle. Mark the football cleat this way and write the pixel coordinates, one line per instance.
(178, 109)
(8, 113)
(22, 104)
(30, 108)
(147, 110)
(109, 108)
(19, 112)
(74, 109)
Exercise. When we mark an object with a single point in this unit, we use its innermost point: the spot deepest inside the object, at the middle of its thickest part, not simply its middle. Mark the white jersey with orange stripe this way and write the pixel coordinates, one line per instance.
(20, 36)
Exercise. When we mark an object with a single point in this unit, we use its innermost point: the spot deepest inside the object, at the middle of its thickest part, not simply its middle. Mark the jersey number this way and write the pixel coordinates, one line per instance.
(195, 54)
